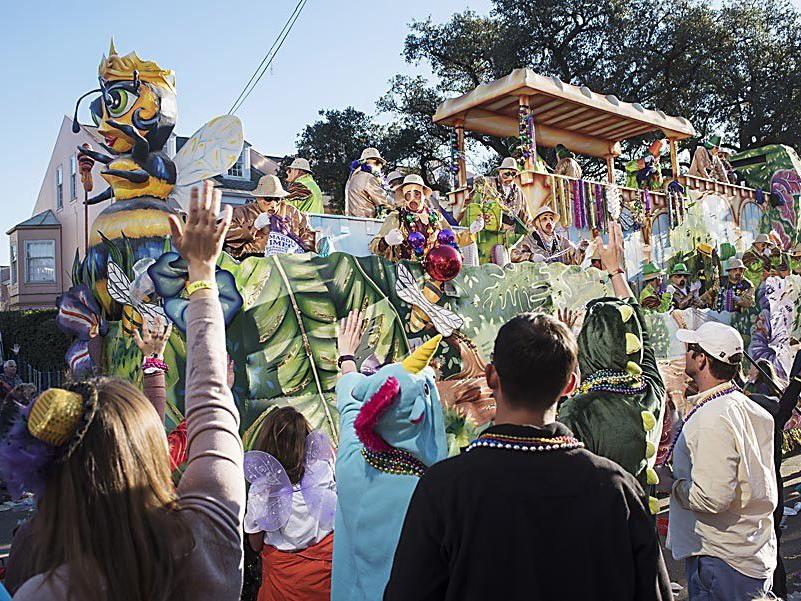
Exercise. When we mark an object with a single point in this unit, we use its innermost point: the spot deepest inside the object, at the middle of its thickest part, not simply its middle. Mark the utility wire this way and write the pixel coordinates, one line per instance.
(265, 63)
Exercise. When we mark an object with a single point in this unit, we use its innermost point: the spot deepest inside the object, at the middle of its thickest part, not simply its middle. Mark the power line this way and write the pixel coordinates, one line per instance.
(264, 60)
(265, 63)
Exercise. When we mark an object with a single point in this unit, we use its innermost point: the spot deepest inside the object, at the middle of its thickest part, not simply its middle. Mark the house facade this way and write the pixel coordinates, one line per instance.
(43, 248)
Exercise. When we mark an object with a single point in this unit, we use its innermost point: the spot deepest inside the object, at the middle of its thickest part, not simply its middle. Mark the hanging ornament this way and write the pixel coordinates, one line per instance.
(599, 207)
(564, 203)
(416, 240)
(443, 263)
(446, 237)
(613, 202)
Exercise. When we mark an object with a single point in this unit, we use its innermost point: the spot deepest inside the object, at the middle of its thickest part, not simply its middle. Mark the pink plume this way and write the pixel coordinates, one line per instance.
(371, 412)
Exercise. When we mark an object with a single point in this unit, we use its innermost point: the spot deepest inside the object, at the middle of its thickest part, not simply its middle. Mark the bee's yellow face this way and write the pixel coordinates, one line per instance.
(120, 104)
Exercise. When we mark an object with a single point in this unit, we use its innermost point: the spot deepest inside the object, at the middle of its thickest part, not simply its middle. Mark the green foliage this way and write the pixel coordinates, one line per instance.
(284, 341)
(41, 343)
(733, 67)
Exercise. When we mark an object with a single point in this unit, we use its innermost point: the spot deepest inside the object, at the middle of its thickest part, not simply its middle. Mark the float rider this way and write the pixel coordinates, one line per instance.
(684, 296)
(652, 297)
(252, 223)
(756, 260)
(794, 254)
(364, 192)
(566, 163)
(544, 243)
(736, 293)
(304, 193)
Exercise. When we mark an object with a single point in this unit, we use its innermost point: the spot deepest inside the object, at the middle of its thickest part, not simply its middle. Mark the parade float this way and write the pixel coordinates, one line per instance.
(282, 310)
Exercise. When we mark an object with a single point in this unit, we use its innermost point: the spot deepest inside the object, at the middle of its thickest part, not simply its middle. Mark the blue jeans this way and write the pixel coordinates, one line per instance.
(712, 579)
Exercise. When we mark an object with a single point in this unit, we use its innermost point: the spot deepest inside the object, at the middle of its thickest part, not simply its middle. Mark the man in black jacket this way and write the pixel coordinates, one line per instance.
(525, 512)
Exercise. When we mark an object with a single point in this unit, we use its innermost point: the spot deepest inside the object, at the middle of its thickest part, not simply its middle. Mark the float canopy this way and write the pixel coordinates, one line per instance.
(584, 121)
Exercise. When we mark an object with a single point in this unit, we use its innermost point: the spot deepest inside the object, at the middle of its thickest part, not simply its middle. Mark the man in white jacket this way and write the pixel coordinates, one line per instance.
(723, 483)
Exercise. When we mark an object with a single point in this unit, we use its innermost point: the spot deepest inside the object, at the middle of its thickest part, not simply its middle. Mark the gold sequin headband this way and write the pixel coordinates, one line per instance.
(58, 415)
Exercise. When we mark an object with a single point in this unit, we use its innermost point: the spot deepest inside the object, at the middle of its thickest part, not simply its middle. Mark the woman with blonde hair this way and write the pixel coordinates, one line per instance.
(110, 525)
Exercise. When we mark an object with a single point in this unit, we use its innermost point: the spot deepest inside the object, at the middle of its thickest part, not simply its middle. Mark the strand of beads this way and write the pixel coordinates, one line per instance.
(394, 461)
(610, 380)
(701, 403)
(532, 444)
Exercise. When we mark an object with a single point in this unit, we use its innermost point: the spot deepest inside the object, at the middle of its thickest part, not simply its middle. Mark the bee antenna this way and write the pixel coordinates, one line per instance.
(76, 127)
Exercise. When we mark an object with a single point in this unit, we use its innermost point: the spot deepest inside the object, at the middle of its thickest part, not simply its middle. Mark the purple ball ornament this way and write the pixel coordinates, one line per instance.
(416, 240)
(446, 237)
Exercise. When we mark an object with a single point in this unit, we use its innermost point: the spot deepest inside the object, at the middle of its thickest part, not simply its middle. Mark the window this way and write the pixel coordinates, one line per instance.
(40, 261)
(241, 169)
(13, 256)
(59, 188)
(73, 177)
(750, 216)
(660, 239)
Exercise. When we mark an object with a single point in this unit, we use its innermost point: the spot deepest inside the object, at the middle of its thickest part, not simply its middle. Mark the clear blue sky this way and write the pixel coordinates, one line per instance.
(339, 53)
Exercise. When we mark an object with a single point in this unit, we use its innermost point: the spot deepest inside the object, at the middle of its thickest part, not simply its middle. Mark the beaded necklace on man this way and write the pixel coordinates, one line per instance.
(524, 443)
(727, 294)
(728, 390)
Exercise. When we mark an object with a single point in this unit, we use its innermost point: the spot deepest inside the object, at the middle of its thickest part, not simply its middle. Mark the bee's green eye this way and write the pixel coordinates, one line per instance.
(119, 101)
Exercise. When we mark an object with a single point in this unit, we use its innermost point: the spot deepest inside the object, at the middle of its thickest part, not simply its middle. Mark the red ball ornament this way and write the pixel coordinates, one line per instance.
(443, 263)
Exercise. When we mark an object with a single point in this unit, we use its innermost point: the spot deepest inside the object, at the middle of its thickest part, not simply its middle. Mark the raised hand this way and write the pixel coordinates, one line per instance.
(569, 317)
(612, 255)
(153, 339)
(200, 240)
(349, 333)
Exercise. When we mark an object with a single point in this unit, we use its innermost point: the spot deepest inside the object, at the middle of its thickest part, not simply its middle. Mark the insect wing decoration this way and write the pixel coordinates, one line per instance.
(211, 151)
(444, 320)
(270, 496)
(317, 485)
(120, 290)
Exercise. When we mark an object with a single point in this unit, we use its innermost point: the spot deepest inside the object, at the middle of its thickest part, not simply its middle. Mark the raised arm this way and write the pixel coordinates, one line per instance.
(212, 481)
(613, 261)
(152, 341)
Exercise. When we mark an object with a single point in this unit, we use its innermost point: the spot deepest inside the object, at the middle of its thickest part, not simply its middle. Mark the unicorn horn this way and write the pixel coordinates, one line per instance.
(421, 357)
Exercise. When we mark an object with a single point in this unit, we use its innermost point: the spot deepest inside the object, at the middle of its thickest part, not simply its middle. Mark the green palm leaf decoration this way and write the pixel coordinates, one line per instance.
(284, 341)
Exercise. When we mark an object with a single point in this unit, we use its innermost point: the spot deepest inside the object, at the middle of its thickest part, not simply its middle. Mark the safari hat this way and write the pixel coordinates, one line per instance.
(679, 269)
(713, 141)
(414, 179)
(301, 164)
(795, 251)
(508, 163)
(372, 153)
(545, 211)
(393, 175)
(650, 272)
(762, 239)
(734, 263)
(269, 187)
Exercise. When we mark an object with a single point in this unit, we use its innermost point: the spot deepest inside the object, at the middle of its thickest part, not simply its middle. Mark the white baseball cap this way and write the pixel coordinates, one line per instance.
(719, 340)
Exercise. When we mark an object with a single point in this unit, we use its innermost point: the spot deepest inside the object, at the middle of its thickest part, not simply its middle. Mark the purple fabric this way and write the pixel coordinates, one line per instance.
(24, 460)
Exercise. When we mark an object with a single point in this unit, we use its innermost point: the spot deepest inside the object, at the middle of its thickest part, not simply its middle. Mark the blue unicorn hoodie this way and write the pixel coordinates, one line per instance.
(391, 428)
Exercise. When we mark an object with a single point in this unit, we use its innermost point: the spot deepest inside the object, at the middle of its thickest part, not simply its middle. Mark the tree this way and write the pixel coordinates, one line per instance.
(332, 143)
(734, 68)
